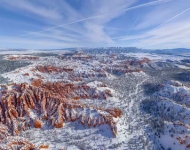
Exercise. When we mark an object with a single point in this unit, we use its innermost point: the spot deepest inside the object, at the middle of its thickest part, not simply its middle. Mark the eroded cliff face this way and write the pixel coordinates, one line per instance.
(44, 104)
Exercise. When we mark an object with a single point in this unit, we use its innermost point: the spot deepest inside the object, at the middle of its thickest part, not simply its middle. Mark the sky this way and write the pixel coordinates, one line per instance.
(55, 24)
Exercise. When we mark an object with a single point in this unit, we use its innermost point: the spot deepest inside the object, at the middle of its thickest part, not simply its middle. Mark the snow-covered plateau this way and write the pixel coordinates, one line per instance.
(95, 100)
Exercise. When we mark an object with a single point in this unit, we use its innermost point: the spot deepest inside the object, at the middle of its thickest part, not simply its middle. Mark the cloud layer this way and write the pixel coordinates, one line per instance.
(41, 24)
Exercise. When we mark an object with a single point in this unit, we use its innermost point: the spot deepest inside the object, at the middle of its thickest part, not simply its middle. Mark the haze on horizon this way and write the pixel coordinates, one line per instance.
(41, 24)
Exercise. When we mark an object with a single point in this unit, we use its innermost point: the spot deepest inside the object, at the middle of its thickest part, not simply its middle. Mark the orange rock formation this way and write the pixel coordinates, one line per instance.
(53, 102)
(23, 57)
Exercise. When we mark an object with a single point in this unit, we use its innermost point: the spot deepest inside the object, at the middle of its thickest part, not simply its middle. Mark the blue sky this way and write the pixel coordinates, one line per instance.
(48, 24)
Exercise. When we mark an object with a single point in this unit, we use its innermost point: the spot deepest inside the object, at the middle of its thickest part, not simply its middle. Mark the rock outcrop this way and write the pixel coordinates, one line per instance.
(23, 57)
(26, 106)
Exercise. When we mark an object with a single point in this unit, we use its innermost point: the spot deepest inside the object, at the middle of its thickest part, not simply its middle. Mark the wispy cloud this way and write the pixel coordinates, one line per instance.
(29, 7)
(37, 43)
(93, 26)
(106, 15)
(99, 23)
(128, 31)
(174, 17)
(92, 29)
(170, 33)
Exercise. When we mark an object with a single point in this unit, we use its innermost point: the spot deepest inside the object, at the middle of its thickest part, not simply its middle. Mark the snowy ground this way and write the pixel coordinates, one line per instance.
(135, 130)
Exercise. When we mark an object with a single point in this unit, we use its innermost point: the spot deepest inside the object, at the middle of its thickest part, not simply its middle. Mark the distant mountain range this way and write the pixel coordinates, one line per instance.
(109, 50)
